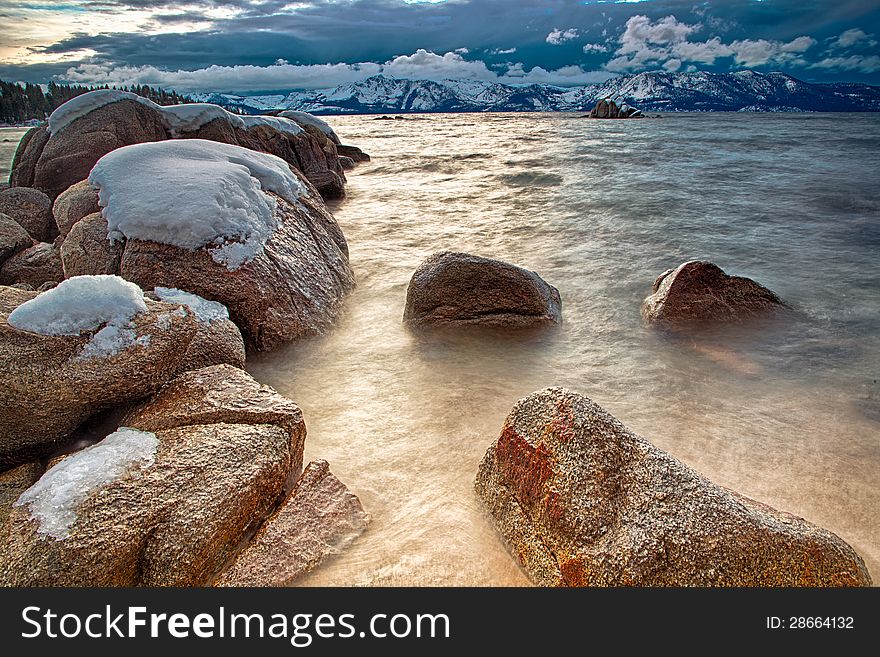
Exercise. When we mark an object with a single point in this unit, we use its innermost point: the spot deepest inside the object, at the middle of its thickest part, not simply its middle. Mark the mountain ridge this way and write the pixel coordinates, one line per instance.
(654, 91)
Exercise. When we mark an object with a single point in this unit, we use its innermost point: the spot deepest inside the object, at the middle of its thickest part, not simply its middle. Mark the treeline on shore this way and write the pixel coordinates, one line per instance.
(20, 103)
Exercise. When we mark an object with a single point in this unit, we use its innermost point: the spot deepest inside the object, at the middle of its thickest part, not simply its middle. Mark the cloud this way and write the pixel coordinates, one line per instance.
(863, 64)
(646, 44)
(499, 51)
(595, 47)
(420, 65)
(849, 38)
(558, 37)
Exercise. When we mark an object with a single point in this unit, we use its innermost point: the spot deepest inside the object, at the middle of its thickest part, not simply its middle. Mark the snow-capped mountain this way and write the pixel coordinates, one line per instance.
(670, 92)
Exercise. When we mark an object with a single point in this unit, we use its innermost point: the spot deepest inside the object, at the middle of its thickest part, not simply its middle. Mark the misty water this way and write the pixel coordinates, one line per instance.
(786, 412)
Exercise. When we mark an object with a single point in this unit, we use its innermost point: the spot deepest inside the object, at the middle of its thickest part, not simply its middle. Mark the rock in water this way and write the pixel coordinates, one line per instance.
(319, 518)
(700, 292)
(32, 209)
(583, 501)
(461, 289)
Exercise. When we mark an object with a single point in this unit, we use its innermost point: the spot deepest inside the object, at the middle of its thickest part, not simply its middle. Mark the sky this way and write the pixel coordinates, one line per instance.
(252, 46)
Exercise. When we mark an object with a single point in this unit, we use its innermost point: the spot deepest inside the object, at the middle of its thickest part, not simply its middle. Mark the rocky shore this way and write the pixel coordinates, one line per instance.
(145, 251)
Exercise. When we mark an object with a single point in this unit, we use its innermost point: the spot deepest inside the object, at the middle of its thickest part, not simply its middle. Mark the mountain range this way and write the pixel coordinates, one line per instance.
(748, 91)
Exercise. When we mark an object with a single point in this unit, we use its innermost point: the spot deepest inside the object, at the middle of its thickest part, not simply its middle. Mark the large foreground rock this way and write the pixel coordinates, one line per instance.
(32, 209)
(49, 387)
(225, 449)
(460, 289)
(583, 501)
(319, 518)
(700, 292)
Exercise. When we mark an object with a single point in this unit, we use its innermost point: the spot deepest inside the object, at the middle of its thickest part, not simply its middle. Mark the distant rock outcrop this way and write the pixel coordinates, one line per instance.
(463, 289)
(583, 501)
(611, 109)
(699, 292)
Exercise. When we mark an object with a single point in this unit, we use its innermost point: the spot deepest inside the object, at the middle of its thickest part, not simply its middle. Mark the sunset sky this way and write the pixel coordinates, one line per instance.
(269, 45)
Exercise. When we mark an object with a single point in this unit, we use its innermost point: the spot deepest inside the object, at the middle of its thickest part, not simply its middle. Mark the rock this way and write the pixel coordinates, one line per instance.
(347, 163)
(172, 519)
(70, 154)
(610, 109)
(13, 238)
(293, 289)
(48, 285)
(47, 388)
(34, 266)
(583, 501)
(73, 204)
(459, 289)
(353, 152)
(215, 343)
(12, 484)
(26, 155)
(319, 518)
(32, 209)
(23, 286)
(87, 250)
(700, 292)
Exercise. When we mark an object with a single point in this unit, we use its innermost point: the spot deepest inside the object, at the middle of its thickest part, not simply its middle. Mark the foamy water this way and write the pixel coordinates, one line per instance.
(786, 413)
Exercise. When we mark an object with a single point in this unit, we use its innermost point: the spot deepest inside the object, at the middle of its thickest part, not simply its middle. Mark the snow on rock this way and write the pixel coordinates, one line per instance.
(308, 119)
(204, 310)
(287, 126)
(192, 116)
(54, 499)
(83, 104)
(80, 303)
(194, 193)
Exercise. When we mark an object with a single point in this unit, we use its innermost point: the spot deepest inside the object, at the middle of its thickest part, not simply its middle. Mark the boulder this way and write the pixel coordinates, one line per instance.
(34, 266)
(32, 209)
(347, 163)
(73, 204)
(87, 250)
(700, 292)
(13, 238)
(462, 289)
(26, 155)
(610, 109)
(12, 484)
(319, 518)
(146, 509)
(352, 152)
(292, 289)
(582, 501)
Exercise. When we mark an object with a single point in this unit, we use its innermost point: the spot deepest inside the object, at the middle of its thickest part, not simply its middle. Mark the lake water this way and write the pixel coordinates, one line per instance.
(787, 413)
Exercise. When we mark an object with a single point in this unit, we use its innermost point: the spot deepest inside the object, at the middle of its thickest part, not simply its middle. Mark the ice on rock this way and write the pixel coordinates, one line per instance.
(54, 499)
(80, 303)
(86, 303)
(204, 310)
(194, 193)
(309, 119)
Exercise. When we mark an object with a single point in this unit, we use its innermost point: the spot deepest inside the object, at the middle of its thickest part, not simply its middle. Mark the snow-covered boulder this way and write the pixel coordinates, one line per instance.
(231, 225)
(583, 501)
(91, 343)
(74, 203)
(32, 209)
(458, 289)
(13, 238)
(87, 127)
(318, 519)
(696, 293)
(166, 500)
(34, 266)
(307, 120)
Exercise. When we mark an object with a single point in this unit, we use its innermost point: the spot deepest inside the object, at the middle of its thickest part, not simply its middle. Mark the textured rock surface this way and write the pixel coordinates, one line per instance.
(291, 290)
(608, 109)
(73, 204)
(12, 484)
(32, 209)
(583, 501)
(34, 265)
(13, 238)
(172, 523)
(88, 250)
(700, 292)
(26, 155)
(319, 518)
(458, 288)
(46, 391)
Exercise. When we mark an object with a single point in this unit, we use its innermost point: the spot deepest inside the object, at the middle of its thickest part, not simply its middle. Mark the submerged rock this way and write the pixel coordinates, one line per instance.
(32, 209)
(700, 292)
(583, 501)
(352, 152)
(462, 289)
(319, 518)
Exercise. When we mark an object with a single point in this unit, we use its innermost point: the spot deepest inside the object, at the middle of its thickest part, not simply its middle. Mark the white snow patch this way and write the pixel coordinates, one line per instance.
(194, 193)
(54, 499)
(111, 340)
(192, 116)
(206, 311)
(80, 303)
(309, 119)
(281, 124)
(83, 104)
